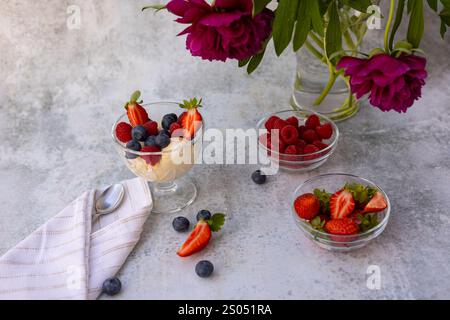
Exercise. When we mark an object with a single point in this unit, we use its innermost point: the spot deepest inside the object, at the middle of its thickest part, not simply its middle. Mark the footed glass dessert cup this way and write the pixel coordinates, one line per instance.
(164, 170)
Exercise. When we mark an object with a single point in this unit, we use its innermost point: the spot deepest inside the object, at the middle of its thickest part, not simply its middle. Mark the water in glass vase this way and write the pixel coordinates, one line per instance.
(312, 78)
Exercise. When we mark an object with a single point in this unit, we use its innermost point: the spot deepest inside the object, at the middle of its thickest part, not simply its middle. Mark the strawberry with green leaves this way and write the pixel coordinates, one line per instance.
(136, 113)
(191, 120)
(200, 236)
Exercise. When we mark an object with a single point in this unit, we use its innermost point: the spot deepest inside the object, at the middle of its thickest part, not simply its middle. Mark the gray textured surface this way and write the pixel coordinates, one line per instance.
(60, 91)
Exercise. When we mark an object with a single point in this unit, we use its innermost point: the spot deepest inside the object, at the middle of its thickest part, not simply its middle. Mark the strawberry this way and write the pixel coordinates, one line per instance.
(376, 204)
(312, 122)
(151, 127)
(193, 120)
(289, 134)
(200, 236)
(307, 206)
(151, 159)
(181, 117)
(136, 113)
(123, 132)
(293, 121)
(344, 226)
(342, 204)
(310, 136)
(270, 122)
(325, 131)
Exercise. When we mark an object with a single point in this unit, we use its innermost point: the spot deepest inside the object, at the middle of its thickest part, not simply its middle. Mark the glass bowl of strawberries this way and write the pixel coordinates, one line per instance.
(160, 143)
(297, 140)
(340, 212)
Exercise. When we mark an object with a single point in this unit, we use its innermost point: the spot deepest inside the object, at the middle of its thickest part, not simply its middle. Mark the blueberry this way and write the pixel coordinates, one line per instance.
(112, 286)
(162, 140)
(150, 141)
(168, 119)
(139, 133)
(204, 269)
(180, 224)
(135, 146)
(203, 215)
(258, 177)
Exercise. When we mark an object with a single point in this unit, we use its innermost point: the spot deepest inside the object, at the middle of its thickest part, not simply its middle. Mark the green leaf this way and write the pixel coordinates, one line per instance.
(397, 22)
(283, 24)
(324, 199)
(416, 22)
(361, 193)
(243, 63)
(313, 9)
(333, 33)
(255, 61)
(317, 223)
(157, 7)
(433, 4)
(216, 222)
(360, 5)
(259, 5)
(303, 25)
(367, 221)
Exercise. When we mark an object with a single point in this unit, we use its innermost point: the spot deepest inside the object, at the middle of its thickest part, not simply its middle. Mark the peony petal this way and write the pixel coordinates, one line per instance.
(386, 64)
(220, 19)
(242, 5)
(178, 7)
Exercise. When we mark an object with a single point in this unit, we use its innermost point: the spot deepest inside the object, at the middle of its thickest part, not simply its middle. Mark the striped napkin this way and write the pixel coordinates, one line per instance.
(71, 255)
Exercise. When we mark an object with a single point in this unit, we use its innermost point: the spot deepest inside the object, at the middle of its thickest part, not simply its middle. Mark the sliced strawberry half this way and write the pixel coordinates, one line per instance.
(136, 113)
(197, 240)
(376, 204)
(192, 120)
(342, 204)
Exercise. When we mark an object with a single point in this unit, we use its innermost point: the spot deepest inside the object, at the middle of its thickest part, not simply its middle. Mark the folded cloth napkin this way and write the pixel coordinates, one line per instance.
(71, 255)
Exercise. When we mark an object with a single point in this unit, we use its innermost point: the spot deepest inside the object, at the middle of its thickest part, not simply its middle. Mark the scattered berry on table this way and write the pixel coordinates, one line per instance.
(139, 133)
(180, 224)
(135, 146)
(203, 215)
(258, 177)
(204, 269)
(123, 132)
(111, 286)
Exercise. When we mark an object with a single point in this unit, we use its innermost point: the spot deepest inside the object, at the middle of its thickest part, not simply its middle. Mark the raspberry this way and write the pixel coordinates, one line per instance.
(291, 150)
(151, 127)
(293, 121)
(270, 122)
(320, 145)
(175, 130)
(312, 122)
(151, 159)
(301, 131)
(325, 131)
(279, 124)
(289, 134)
(310, 136)
(123, 132)
(278, 148)
(310, 148)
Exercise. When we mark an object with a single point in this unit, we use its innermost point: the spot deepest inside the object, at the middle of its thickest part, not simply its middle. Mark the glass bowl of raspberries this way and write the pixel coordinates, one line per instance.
(340, 212)
(297, 140)
(160, 143)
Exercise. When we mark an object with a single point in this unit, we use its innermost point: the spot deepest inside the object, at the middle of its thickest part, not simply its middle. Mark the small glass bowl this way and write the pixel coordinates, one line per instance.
(333, 182)
(171, 189)
(304, 162)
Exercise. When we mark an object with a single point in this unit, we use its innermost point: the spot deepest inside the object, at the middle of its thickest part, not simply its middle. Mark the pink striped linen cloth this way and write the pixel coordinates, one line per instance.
(71, 255)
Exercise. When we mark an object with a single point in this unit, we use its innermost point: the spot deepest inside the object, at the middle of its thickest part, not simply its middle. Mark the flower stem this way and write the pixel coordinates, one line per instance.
(388, 26)
(327, 88)
(314, 51)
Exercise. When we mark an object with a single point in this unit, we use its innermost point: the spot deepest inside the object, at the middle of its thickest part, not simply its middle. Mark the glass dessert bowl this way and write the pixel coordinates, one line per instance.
(165, 165)
(364, 220)
(297, 140)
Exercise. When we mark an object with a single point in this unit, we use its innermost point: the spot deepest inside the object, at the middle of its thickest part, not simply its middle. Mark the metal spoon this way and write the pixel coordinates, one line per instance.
(109, 200)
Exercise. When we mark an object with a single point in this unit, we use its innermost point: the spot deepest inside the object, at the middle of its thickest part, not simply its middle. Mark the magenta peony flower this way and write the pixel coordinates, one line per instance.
(224, 30)
(393, 83)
